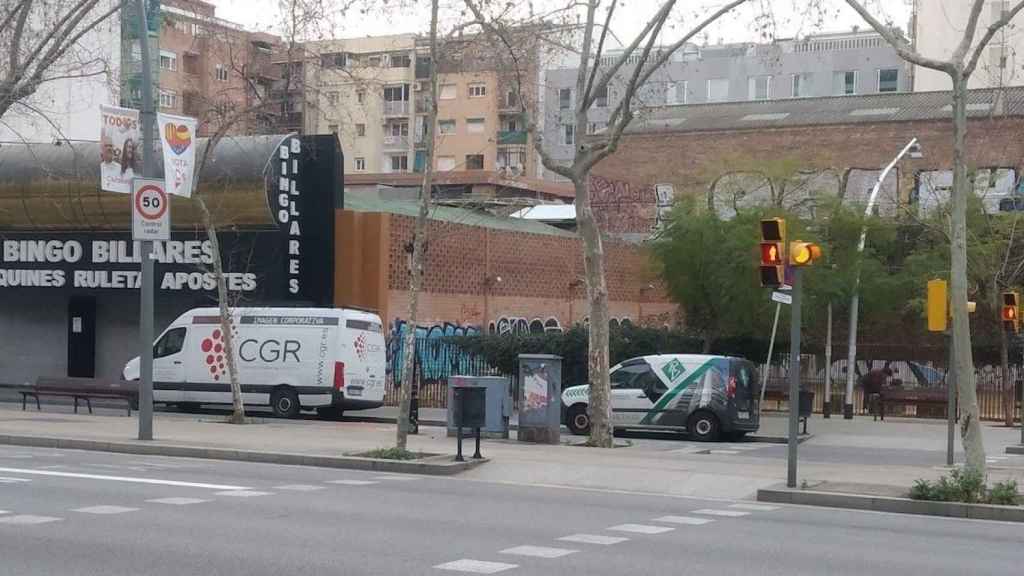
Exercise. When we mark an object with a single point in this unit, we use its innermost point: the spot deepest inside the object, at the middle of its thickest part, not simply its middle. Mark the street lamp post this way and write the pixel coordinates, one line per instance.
(851, 361)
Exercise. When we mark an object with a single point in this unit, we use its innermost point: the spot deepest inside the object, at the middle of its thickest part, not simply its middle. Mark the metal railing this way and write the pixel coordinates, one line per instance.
(396, 108)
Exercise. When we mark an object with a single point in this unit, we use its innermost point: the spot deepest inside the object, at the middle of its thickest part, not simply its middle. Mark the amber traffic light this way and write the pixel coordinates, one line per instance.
(773, 242)
(803, 253)
(1011, 312)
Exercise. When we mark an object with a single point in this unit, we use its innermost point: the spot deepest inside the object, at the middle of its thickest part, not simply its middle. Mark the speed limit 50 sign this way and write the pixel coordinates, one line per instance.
(151, 210)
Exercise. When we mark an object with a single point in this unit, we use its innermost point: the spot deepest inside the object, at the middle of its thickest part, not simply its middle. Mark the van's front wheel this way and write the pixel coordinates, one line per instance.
(578, 421)
(284, 402)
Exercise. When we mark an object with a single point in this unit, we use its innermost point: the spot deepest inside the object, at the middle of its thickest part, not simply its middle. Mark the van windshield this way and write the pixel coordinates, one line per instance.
(364, 325)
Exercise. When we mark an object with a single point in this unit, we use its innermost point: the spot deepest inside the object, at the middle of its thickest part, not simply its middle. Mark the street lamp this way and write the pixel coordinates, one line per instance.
(913, 148)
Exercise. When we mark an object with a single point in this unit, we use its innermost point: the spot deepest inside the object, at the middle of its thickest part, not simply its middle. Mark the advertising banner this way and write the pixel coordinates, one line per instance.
(120, 148)
(178, 140)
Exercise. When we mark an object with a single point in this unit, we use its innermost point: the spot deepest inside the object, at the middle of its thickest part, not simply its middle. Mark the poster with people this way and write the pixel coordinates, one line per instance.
(120, 138)
(178, 139)
(535, 386)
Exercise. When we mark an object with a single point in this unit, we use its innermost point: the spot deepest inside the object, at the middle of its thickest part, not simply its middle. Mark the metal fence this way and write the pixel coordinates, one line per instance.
(436, 360)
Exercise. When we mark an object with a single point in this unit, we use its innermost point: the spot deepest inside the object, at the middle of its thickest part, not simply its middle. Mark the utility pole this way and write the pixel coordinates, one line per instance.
(826, 410)
(148, 115)
(794, 377)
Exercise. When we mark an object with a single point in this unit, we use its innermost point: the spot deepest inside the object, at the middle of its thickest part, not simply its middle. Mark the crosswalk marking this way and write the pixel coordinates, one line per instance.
(7, 480)
(724, 452)
(539, 551)
(685, 520)
(243, 493)
(600, 539)
(27, 519)
(641, 528)
(104, 510)
(476, 566)
(299, 487)
(754, 507)
(177, 501)
(157, 481)
(352, 482)
(396, 478)
(724, 513)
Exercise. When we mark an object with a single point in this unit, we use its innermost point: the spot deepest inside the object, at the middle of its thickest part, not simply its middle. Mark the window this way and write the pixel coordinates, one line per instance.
(168, 99)
(361, 95)
(601, 97)
(360, 164)
(335, 60)
(446, 127)
(676, 93)
(718, 89)
(396, 129)
(190, 63)
(396, 93)
(400, 163)
(170, 343)
(565, 98)
(445, 163)
(511, 125)
(333, 129)
(474, 161)
(400, 61)
(511, 99)
(475, 125)
(889, 80)
(332, 98)
(801, 85)
(844, 83)
(759, 87)
(168, 60)
(477, 90)
(447, 92)
(222, 73)
(569, 134)
(622, 379)
(373, 61)
(360, 129)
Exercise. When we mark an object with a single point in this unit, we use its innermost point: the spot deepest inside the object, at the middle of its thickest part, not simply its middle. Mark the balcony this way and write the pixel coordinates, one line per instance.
(510, 137)
(396, 142)
(396, 108)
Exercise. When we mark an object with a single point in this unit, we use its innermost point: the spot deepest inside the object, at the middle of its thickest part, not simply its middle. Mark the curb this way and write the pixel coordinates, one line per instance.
(778, 439)
(888, 504)
(1015, 449)
(433, 466)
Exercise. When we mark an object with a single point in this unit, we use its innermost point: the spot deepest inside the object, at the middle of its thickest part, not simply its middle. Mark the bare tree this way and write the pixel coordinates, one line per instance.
(592, 79)
(959, 67)
(40, 41)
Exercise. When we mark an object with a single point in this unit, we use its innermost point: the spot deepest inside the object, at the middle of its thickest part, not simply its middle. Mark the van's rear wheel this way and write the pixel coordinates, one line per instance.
(703, 427)
(578, 419)
(284, 402)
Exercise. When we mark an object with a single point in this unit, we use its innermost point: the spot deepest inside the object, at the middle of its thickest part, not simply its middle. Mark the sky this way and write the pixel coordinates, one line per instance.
(789, 18)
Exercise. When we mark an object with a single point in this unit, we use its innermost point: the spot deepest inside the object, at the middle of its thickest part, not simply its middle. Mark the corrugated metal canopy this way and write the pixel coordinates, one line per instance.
(56, 187)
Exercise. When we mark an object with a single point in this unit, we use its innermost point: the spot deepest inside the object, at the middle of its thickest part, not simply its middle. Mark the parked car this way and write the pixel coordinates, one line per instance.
(706, 396)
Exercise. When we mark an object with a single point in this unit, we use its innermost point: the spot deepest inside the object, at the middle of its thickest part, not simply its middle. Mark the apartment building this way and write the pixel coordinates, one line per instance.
(840, 64)
(939, 26)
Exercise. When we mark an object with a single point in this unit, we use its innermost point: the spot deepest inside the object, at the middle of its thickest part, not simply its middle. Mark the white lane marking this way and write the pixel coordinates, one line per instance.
(641, 529)
(724, 452)
(685, 520)
(6, 480)
(299, 487)
(177, 501)
(539, 551)
(105, 510)
(476, 566)
(746, 447)
(121, 479)
(24, 519)
(4, 512)
(593, 539)
(352, 482)
(396, 478)
(243, 493)
(725, 513)
(754, 507)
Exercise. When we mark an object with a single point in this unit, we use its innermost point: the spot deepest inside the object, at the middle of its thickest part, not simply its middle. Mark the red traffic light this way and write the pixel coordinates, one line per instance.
(1009, 313)
(771, 254)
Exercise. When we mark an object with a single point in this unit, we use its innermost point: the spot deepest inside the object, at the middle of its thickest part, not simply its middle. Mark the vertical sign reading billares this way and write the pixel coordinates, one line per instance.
(304, 181)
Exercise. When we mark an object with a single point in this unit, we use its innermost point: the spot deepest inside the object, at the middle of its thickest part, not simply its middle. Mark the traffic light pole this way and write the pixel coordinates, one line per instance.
(146, 293)
(950, 399)
(794, 376)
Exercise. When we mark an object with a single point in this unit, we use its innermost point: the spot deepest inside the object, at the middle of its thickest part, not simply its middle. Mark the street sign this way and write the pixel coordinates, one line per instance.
(782, 297)
(151, 210)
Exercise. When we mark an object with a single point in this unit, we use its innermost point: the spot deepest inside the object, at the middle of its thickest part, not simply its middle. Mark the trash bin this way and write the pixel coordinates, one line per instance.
(540, 398)
(469, 409)
(806, 403)
(497, 404)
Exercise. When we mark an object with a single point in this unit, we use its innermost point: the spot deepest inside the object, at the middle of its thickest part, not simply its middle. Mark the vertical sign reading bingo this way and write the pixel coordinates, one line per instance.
(151, 210)
(287, 207)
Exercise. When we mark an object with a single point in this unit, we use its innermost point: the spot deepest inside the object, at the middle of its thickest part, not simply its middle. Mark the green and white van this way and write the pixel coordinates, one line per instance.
(707, 396)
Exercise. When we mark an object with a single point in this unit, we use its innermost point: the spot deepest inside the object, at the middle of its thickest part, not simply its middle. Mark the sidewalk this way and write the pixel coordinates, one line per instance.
(669, 467)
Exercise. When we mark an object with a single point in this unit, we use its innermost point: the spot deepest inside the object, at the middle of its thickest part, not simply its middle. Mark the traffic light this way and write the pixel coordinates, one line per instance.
(1011, 312)
(773, 242)
(803, 253)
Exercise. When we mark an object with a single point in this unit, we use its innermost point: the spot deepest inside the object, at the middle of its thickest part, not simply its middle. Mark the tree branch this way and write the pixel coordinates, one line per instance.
(987, 37)
(902, 47)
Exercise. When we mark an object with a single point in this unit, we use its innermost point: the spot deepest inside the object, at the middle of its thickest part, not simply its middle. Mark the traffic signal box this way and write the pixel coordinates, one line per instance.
(773, 258)
(1011, 312)
(803, 253)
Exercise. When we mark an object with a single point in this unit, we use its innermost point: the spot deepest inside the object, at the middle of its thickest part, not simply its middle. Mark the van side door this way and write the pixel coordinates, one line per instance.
(169, 365)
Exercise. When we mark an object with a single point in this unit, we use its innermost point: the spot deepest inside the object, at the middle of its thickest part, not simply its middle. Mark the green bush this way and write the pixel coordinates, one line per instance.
(393, 453)
(965, 486)
(1004, 493)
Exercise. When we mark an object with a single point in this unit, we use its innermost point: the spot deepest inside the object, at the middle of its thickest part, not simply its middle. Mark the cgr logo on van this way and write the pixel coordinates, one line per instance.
(363, 347)
(270, 351)
(213, 348)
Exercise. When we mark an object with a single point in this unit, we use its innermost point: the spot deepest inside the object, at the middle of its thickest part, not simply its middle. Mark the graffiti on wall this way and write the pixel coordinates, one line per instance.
(801, 193)
(623, 208)
(997, 188)
(436, 358)
(509, 325)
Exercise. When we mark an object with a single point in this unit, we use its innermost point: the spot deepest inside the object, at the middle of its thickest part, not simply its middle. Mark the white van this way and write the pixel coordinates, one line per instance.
(328, 359)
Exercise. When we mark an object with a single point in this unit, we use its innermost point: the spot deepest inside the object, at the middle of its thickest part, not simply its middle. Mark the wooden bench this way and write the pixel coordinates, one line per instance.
(80, 389)
(889, 397)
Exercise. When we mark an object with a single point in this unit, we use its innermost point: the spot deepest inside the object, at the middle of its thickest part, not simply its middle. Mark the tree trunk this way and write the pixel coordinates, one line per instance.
(419, 243)
(597, 297)
(963, 364)
(226, 326)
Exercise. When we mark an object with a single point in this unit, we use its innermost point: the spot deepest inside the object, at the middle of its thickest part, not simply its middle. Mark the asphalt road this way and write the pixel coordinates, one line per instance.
(69, 513)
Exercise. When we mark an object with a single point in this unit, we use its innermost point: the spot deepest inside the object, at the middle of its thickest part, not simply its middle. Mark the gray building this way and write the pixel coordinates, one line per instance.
(822, 65)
